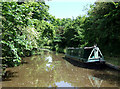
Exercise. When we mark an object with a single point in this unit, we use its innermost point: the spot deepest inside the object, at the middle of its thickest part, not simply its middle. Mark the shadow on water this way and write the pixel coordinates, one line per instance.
(111, 78)
(8, 75)
(24, 62)
(84, 65)
(101, 72)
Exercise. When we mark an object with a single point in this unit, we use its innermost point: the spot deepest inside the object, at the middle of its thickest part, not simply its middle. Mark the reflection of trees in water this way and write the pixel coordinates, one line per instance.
(34, 74)
(70, 75)
(67, 73)
(41, 76)
(62, 71)
(9, 75)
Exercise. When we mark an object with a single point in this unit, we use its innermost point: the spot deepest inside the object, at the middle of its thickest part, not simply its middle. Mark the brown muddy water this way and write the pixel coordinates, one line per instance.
(51, 69)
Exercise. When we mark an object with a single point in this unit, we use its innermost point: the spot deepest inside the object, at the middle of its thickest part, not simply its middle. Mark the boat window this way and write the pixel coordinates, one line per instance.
(68, 52)
(87, 52)
(71, 52)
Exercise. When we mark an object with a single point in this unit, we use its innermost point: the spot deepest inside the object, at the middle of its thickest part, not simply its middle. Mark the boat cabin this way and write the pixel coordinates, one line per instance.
(86, 54)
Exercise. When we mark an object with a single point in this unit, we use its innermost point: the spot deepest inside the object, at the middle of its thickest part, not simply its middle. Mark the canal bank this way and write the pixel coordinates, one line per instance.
(112, 66)
(113, 62)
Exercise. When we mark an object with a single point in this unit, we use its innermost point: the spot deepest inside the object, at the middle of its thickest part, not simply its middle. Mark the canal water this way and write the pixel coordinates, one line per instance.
(51, 69)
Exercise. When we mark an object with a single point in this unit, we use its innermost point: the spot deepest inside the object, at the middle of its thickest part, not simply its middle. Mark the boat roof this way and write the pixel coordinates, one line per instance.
(84, 47)
(72, 48)
(90, 47)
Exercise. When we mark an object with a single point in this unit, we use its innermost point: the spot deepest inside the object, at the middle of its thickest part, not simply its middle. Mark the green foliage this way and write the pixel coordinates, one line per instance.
(19, 36)
(68, 32)
(73, 32)
(27, 27)
(102, 26)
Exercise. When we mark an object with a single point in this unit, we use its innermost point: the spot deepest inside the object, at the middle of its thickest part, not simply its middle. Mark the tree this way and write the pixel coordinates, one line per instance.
(19, 35)
(102, 27)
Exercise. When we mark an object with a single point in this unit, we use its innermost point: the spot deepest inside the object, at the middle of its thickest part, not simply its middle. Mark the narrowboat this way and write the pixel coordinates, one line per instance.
(86, 54)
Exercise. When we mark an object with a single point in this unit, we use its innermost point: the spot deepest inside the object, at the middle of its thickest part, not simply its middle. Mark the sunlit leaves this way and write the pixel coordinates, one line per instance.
(19, 35)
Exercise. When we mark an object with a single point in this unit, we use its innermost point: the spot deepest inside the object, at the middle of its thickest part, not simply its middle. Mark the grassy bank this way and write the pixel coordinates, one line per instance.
(113, 60)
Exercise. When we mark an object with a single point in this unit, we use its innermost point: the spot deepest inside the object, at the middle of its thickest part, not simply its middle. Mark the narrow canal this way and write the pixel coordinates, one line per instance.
(50, 69)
